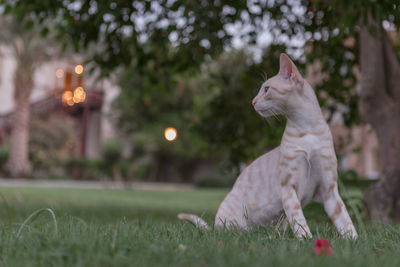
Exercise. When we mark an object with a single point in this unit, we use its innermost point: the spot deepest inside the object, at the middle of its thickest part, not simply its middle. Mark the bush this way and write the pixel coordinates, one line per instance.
(52, 141)
(112, 151)
(84, 169)
(351, 178)
(217, 180)
(113, 163)
(4, 152)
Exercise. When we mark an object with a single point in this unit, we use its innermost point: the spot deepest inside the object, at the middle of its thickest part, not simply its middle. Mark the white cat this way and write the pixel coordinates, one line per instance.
(301, 169)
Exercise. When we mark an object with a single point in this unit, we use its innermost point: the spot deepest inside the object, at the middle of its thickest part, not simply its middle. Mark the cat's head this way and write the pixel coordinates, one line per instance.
(278, 94)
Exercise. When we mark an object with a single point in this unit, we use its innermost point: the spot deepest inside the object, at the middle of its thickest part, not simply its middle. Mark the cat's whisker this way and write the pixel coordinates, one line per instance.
(268, 120)
(275, 113)
(263, 75)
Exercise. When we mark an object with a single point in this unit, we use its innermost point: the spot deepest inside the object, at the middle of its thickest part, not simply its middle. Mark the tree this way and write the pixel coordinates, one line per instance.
(29, 51)
(379, 102)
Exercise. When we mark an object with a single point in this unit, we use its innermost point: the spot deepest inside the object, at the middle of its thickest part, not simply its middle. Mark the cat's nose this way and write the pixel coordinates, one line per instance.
(254, 101)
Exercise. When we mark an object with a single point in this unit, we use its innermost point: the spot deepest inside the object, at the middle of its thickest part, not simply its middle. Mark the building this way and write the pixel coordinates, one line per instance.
(93, 125)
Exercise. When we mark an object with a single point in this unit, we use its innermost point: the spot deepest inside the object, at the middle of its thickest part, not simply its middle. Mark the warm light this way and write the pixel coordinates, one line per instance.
(170, 134)
(59, 73)
(67, 95)
(79, 95)
(78, 69)
(67, 98)
(78, 92)
(70, 102)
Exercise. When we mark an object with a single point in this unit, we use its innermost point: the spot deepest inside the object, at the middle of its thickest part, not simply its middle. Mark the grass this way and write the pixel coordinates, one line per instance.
(139, 228)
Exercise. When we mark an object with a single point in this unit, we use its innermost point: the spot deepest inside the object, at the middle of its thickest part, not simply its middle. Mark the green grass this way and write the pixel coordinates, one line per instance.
(139, 228)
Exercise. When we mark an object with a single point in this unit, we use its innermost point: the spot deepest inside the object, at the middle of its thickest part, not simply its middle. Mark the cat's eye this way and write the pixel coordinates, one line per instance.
(266, 89)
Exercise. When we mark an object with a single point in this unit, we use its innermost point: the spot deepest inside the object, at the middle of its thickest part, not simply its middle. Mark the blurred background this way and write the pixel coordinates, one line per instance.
(160, 91)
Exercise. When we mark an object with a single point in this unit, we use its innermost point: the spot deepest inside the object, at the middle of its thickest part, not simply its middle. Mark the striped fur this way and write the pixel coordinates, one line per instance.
(301, 169)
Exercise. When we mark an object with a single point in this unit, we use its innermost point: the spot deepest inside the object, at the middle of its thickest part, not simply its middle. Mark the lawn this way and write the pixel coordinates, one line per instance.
(139, 228)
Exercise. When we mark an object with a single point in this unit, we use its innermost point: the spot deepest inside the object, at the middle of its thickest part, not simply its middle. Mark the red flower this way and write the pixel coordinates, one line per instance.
(322, 247)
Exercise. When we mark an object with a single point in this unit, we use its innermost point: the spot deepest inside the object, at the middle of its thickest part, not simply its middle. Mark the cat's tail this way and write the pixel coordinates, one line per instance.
(199, 222)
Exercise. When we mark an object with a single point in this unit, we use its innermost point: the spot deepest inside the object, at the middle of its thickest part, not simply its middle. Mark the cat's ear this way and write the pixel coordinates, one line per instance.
(288, 70)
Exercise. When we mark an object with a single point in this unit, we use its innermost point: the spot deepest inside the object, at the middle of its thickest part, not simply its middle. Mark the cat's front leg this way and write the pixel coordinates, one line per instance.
(294, 213)
(334, 205)
(288, 171)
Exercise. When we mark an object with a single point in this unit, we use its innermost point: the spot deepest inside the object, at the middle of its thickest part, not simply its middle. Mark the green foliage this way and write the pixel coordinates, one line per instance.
(143, 31)
(211, 111)
(80, 168)
(51, 142)
(144, 109)
(116, 165)
(331, 30)
(4, 152)
(112, 151)
(216, 180)
(222, 109)
(351, 178)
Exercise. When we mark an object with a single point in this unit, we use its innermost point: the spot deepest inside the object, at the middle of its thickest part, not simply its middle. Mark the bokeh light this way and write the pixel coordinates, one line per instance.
(67, 98)
(78, 69)
(170, 134)
(59, 73)
(79, 95)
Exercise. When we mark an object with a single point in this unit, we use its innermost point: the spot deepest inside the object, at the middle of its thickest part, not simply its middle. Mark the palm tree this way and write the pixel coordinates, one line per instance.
(29, 51)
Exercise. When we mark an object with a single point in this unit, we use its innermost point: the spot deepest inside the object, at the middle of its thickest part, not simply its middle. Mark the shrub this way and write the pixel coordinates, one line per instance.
(81, 168)
(4, 152)
(351, 178)
(217, 180)
(112, 151)
(52, 141)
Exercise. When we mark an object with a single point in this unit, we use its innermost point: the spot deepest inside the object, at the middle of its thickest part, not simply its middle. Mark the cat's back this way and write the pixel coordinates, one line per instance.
(255, 194)
(260, 175)
(256, 191)
(261, 169)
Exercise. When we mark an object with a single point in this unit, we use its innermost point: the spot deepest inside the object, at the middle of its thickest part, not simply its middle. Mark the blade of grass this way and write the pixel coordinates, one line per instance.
(7, 207)
(35, 215)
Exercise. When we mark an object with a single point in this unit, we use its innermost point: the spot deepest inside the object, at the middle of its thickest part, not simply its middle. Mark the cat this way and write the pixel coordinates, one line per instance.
(301, 169)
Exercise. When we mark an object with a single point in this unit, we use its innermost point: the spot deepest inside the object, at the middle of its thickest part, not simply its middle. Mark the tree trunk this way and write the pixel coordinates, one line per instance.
(379, 104)
(18, 164)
